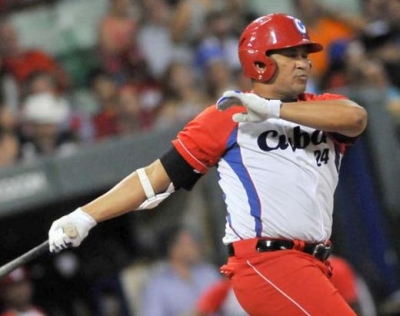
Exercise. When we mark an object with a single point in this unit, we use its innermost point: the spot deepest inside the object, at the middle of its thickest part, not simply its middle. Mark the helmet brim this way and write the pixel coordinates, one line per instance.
(314, 47)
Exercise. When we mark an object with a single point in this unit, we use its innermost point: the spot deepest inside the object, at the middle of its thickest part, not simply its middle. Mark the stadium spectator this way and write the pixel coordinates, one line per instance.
(9, 90)
(43, 116)
(17, 295)
(176, 284)
(188, 24)
(40, 82)
(78, 122)
(8, 118)
(9, 141)
(155, 36)
(217, 75)
(189, 19)
(380, 38)
(9, 147)
(21, 63)
(109, 297)
(220, 39)
(131, 117)
(105, 91)
(117, 40)
(362, 71)
(183, 96)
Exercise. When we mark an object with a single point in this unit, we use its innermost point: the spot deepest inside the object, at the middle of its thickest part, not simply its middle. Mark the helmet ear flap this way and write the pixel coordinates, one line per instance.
(257, 65)
(269, 70)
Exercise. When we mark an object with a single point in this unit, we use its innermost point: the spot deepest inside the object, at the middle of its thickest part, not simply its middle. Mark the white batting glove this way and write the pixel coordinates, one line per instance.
(258, 108)
(59, 239)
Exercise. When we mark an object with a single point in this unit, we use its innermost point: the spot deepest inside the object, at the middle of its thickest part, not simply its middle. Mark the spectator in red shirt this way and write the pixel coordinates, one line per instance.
(17, 295)
(117, 33)
(21, 63)
(105, 91)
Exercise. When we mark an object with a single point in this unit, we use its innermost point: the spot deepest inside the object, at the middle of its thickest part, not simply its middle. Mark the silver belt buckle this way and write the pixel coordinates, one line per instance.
(317, 248)
(324, 254)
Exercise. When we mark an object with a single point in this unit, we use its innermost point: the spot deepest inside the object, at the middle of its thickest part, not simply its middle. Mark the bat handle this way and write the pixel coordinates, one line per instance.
(68, 229)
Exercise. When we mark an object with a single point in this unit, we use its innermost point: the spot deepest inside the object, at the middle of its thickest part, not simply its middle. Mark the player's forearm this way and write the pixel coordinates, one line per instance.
(122, 198)
(339, 116)
(127, 195)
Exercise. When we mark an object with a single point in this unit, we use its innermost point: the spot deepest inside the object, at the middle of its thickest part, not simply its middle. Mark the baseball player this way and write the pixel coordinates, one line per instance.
(277, 150)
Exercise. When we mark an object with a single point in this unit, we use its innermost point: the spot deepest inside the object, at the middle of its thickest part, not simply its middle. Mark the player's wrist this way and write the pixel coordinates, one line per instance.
(274, 109)
(83, 218)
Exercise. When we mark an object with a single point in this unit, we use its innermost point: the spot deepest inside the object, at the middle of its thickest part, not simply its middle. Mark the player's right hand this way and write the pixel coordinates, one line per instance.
(258, 108)
(58, 236)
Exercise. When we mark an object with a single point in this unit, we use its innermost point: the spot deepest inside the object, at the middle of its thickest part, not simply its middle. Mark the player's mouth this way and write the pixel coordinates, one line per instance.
(302, 77)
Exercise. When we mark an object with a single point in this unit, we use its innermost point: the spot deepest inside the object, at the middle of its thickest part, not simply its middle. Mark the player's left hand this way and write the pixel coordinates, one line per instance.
(258, 108)
(59, 239)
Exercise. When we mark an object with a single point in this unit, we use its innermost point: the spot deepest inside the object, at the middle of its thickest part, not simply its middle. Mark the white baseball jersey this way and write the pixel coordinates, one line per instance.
(278, 178)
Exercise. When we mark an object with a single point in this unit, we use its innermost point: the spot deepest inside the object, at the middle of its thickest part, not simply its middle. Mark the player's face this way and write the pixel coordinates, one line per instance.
(187, 249)
(292, 72)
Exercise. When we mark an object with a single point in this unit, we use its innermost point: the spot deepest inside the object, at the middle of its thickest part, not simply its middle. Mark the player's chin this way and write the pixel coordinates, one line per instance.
(301, 80)
(299, 87)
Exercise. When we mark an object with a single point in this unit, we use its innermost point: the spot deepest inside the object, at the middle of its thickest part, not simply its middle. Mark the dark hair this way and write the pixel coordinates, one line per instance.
(168, 237)
(170, 234)
(96, 73)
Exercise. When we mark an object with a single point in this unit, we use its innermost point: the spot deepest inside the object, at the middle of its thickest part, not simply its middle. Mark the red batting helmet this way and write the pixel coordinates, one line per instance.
(270, 32)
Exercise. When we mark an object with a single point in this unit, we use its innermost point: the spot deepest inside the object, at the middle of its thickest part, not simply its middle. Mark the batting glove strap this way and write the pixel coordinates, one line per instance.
(83, 223)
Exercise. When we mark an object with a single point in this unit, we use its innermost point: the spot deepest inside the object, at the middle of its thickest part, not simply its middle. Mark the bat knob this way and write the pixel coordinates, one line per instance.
(71, 231)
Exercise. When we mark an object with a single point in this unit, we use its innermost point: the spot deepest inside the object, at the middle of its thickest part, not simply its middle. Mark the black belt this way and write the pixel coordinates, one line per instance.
(320, 251)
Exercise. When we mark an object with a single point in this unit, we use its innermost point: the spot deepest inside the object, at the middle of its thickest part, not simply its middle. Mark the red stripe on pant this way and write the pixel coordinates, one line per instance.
(282, 283)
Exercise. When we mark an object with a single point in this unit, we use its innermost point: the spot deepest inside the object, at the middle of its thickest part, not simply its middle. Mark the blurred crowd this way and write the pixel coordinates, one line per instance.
(161, 62)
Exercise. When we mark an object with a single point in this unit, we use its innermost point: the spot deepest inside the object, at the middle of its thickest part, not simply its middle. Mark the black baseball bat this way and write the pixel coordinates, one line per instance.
(25, 258)
(35, 252)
